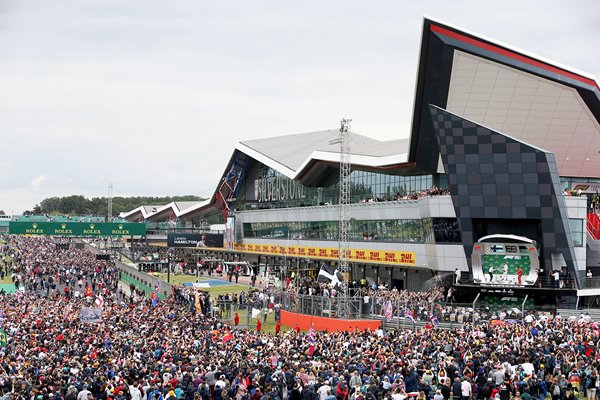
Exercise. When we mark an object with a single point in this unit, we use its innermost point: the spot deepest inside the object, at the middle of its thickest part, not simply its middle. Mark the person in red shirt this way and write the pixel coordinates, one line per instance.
(236, 319)
(341, 391)
(519, 275)
(277, 327)
(297, 328)
(258, 325)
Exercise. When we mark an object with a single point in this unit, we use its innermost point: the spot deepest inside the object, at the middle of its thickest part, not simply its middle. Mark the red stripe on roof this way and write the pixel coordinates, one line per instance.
(511, 54)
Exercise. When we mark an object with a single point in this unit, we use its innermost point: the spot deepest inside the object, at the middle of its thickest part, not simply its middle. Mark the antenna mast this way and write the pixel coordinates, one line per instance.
(110, 196)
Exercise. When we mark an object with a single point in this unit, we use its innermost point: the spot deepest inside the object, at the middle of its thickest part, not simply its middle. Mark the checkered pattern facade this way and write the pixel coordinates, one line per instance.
(492, 176)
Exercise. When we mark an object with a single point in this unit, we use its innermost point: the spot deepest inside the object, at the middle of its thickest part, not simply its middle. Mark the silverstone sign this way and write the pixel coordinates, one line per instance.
(79, 229)
(277, 188)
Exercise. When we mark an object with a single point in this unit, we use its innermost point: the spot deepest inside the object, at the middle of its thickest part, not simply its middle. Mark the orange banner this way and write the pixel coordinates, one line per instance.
(356, 255)
(305, 322)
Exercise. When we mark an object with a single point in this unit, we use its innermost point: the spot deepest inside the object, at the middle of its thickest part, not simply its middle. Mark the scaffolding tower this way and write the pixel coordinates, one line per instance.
(344, 222)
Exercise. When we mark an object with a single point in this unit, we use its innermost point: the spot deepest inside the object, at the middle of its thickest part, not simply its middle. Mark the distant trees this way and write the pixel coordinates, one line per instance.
(80, 205)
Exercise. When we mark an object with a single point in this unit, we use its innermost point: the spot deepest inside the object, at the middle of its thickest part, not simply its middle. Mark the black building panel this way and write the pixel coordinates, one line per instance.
(527, 199)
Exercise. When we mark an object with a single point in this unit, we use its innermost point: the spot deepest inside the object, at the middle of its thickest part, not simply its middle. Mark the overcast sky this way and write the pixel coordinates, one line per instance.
(152, 95)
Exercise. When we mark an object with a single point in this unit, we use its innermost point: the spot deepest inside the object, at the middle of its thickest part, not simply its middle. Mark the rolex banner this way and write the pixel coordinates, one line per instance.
(79, 229)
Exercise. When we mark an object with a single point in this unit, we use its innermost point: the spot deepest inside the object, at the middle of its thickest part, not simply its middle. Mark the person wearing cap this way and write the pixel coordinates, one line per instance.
(563, 382)
(170, 395)
(428, 377)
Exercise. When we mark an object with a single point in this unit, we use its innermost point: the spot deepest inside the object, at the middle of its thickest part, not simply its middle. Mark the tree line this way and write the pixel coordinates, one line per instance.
(80, 205)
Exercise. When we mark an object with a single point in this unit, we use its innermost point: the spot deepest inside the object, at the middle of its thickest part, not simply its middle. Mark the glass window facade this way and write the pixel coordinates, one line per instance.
(569, 183)
(398, 230)
(576, 226)
(446, 230)
(268, 188)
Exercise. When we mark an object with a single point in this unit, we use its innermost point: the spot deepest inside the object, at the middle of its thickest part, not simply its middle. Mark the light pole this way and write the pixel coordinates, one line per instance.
(169, 266)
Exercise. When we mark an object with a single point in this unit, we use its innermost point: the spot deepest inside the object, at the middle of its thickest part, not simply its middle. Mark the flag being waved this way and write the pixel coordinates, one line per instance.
(408, 315)
(227, 337)
(389, 310)
(99, 301)
(434, 320)
(311, 335)
(329, 275)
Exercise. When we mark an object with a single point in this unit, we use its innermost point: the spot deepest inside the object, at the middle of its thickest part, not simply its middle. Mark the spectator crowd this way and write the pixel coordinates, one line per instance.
(144, 349)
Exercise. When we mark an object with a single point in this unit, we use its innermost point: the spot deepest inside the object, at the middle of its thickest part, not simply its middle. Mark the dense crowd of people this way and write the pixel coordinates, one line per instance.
(433, 191)
(44, 264)
(145, 349)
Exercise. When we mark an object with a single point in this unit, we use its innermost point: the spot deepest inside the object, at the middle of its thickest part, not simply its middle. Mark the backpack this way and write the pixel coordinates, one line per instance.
(556, 390)
(232, 391)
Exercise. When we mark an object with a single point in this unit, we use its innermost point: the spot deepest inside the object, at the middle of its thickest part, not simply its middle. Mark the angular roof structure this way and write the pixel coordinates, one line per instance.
(156, 213)
(537, 101)
(293, 154)
(530, 98)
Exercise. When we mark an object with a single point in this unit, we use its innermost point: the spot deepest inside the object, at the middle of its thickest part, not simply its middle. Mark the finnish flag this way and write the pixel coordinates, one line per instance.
(330, 275)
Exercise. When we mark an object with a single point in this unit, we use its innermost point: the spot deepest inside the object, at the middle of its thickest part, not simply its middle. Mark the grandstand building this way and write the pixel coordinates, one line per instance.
(501, 172)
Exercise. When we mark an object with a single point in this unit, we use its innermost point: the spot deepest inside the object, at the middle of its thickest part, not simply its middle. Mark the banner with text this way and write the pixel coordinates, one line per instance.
(80, 229)
(90, 315)
(195, 240)
(356, 255)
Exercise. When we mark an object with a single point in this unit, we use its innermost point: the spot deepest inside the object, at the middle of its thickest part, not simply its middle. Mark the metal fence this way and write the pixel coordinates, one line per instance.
(542, 282)
(424, 312)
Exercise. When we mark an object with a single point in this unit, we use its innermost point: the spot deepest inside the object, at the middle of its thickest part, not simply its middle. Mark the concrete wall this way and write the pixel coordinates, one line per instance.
(144, 281)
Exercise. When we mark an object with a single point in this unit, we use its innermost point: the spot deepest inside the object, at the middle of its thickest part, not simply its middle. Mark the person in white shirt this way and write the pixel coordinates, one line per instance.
(135, 393)
(556, 276)
(528, 368)
(505, 272)
(83, 395)
(324, 391)
(221, 382)
(465, 388)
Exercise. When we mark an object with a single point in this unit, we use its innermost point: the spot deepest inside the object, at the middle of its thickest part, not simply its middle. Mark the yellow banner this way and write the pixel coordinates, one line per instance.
(356, 255)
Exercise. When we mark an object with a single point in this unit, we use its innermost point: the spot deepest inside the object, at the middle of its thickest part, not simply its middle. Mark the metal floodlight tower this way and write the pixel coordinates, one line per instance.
(344, 222)
(110, 196)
